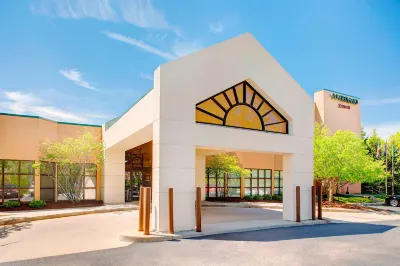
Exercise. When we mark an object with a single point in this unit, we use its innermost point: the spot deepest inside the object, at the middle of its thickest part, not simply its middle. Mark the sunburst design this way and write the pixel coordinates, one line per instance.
(243, 107)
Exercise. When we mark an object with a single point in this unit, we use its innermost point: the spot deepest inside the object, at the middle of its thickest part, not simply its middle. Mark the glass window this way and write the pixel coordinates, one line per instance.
(254, 173)
(278, 182)
(26, 195)
(260, 181)
(90, 182)
(26, 181)
(90, 194)
(26, 167)
(247, 192)
(11, 167)
(212, 182)
(233, 192)
(261, 173)
(233, 182)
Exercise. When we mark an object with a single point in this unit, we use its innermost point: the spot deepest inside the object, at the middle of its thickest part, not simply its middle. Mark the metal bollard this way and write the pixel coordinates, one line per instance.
(298, 204)
(141, 207)
(171, 210)
(313, 202)
(147, 211)
(198, 209)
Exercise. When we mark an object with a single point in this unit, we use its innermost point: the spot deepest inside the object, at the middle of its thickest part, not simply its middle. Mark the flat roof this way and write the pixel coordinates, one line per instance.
(340, 93)
(58, 122)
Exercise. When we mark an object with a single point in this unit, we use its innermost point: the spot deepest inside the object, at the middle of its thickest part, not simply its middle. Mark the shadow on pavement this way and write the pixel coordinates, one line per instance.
(6, 230)
(314, 231)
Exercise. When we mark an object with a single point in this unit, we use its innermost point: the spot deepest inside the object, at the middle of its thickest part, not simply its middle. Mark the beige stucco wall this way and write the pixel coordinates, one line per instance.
(21, 137)
(328, 112)
(337, 118)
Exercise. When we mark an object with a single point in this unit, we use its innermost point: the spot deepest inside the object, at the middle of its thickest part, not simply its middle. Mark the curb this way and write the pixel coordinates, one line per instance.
(11, 221)
(137, 237)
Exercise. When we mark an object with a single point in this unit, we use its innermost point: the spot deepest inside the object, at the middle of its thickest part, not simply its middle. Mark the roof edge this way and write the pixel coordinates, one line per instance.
(348, 95)
(57, 122)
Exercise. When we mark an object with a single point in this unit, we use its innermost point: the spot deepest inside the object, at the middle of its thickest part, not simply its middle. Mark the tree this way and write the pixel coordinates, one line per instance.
(224, 164)
(74, 157)
(342, 158)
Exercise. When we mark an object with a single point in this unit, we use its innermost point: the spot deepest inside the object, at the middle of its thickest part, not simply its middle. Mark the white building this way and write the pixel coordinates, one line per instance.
(230, 97)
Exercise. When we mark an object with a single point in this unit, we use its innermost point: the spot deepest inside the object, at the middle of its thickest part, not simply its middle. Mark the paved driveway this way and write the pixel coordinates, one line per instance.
(357, 239)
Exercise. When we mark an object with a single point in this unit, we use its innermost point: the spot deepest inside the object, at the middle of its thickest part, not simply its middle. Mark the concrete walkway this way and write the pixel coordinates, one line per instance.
(14, 217)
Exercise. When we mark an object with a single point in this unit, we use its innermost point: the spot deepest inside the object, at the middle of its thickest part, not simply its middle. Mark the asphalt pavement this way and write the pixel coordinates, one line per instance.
(372, 243)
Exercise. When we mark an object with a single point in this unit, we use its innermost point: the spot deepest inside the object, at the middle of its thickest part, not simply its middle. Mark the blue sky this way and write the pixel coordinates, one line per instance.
(88, 61)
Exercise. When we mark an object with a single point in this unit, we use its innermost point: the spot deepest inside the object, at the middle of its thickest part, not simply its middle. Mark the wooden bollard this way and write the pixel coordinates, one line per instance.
(313, 202)
(147, 211)
(171, 210)
(198, 209)
(141, 209)
(298, 204)
(319, 202)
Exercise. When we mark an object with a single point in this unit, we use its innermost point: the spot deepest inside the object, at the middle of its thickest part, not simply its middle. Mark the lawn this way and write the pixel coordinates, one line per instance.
(352, 199)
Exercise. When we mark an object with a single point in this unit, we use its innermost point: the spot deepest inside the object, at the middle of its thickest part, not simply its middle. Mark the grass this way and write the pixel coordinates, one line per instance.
(352, 199)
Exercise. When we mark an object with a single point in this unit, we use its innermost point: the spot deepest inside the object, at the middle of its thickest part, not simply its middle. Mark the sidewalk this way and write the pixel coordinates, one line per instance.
(268, 205)
(13, 217)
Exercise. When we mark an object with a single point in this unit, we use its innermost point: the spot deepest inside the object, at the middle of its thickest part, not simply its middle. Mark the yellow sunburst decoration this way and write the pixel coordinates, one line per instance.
(241, 106)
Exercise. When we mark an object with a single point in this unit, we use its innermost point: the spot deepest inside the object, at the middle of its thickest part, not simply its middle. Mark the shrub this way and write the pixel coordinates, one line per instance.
(248, 197)
(277, 197)
(37, 204)
(258, 197)
(12, 204)
(267, 197)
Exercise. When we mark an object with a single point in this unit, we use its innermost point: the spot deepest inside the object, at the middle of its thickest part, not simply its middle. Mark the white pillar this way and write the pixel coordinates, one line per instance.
(201, 174)
(113, 181)
(297, 171)
(173, 167)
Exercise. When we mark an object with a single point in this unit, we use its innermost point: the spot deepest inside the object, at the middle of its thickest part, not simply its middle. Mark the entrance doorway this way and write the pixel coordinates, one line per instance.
(138, 169)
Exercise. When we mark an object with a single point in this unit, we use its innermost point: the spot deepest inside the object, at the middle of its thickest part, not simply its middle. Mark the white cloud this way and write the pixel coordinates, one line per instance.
(383, 101)
(18, 102)
(140, 44)
(216, 27)
(384, 130)
(140, 13)
(182, 48)
(146, 76)
(76, 77)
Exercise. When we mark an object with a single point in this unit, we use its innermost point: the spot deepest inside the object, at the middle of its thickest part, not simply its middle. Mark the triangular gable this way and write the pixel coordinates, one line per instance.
(241, 106)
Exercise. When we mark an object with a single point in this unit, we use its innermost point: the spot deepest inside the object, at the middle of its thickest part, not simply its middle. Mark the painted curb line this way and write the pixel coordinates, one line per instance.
(11, 221)
(138, 237)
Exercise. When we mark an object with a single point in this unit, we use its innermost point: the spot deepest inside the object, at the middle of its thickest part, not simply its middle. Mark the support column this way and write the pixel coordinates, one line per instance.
(201, 175)
(113, 181)
(98, 181)
(297, 171)
(37, 182)
(173, 167)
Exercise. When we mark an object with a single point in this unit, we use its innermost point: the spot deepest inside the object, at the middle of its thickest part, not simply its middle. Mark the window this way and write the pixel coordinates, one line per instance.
(258, 182)
(87, 185)
(16, 180)
(278, 182)
(47, 184)
(215, 184)
(234, 185)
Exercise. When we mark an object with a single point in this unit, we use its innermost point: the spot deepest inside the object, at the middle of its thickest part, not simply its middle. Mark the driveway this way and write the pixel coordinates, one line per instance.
(94, 240)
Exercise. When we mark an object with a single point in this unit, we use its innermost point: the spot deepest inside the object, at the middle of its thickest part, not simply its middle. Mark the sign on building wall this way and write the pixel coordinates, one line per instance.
(345, 99)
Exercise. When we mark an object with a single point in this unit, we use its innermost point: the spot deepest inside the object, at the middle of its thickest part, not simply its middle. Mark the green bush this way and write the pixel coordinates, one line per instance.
(249, 198)
(12, 204)
(277, 197)
(258, 197)
(37, 204)
(267, 197)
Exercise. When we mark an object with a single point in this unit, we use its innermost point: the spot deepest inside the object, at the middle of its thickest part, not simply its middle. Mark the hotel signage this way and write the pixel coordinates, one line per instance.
(343, 98)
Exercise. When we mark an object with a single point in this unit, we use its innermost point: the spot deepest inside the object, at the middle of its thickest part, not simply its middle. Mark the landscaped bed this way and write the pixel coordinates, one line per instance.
(56, 205)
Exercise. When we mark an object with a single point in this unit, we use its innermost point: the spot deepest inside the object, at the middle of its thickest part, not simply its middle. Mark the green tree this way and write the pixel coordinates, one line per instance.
(74, 157)
(222, 164)
(342, 158)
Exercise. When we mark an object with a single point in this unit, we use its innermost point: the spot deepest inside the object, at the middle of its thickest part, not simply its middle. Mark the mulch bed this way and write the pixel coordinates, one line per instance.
(56, 205)
(337, 204)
